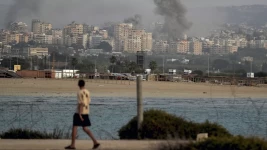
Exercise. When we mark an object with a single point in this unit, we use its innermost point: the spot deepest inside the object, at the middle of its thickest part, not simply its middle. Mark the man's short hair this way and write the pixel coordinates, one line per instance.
(81, 83)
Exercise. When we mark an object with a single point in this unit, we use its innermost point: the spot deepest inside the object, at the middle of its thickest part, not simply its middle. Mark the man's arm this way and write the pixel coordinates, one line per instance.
(81, 105)
(80, 111)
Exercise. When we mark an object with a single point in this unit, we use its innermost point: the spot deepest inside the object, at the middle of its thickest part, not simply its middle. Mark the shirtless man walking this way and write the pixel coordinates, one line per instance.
(81, 117)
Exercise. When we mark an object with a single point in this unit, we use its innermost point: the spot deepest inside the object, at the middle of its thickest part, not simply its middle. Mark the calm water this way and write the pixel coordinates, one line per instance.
(240, 116)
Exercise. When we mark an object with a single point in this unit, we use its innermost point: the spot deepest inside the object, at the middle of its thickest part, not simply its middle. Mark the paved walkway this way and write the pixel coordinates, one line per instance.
(80, 145)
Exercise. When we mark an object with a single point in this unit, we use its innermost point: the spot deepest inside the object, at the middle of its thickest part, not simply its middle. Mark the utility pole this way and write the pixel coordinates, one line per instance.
(31, 62)
(53, 65)
(163, 62)
(9, 63)
(17, 57)
(66, 62)
(140, 115)
(45, 62)
(49, 66)
(251, 66)
(208, 65)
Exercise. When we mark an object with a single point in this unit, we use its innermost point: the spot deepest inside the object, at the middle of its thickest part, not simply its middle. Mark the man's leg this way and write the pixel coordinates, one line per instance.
(74, 134)
(90, 134)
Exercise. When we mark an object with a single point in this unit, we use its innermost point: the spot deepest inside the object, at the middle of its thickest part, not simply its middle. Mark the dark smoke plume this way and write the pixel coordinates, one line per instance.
(136, 20)
(22, 9)
(174, 13)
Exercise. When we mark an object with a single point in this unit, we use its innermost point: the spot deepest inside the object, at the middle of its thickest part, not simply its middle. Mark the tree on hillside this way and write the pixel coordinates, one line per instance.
(220, 64)
(132, 67)
(198, 72)
(153, 66)
(77, 46)
(113, 60)
(264, 67)
(74, 63)
(261, 74)
(105, 46)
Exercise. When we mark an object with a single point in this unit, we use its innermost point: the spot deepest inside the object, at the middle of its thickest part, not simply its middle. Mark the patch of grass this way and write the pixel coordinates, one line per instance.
(220, 143)
(32, 134)
(158, 124)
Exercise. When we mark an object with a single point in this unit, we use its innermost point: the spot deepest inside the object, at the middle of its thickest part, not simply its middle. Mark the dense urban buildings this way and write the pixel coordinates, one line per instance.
(125, 37)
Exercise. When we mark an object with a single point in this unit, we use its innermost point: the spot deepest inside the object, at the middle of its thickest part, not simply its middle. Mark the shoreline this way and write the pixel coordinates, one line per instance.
(126, 89)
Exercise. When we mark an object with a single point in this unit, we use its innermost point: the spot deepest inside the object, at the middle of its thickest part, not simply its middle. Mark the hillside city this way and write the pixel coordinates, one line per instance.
(124, 37)
(121, 39)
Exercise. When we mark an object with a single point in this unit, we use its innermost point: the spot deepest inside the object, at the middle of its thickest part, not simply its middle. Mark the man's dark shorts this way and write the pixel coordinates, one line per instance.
(78, 122)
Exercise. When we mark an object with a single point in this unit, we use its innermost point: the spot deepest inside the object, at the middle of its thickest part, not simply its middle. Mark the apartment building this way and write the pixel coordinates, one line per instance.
(103, 33)
(196, 47)
(83, 40)
(69, 40)
(39, 27)
(73, 29)
(242, 43)
(179, 47)
(13, 38)
(7, 37)
(217, 49)
(147, 41)
(4, 37)
(56, 32)
(134, 43)
(36, 26)
(219, 41)
(95, 40)
(248, 58)
(121, 34)
(7, 49)
(24, 38)
(183, 46)
(173, 48)
(18, 27)
(43, 38)
(131, 40)
(94, 28)
(207, 44)
(57, 40)
(231, 49)
(86, 28)
(46, 27)
(40, 52)
(160, 46)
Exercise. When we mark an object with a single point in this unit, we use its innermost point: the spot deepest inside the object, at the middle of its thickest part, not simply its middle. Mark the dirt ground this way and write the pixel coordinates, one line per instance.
(105, 88)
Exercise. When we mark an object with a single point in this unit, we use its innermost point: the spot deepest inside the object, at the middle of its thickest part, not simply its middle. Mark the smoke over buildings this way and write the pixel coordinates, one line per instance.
(22, 9)
(174, 14)
(136, 20)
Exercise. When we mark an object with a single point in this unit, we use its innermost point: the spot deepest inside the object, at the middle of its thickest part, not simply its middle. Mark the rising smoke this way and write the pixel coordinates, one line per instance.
(174, 14)
(136, 20)
(22, 8)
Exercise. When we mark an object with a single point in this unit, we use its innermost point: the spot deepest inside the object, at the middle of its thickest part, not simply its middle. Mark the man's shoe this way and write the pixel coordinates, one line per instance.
(69, 147)
(96, 146)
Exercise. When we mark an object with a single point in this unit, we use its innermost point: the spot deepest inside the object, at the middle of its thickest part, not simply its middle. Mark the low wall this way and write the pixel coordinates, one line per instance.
(36, 74)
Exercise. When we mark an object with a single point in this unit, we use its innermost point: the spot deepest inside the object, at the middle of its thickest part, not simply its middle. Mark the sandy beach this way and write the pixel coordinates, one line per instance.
(104, 88)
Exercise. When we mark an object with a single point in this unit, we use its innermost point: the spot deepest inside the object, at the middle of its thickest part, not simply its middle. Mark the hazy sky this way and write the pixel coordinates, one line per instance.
(61, 12)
